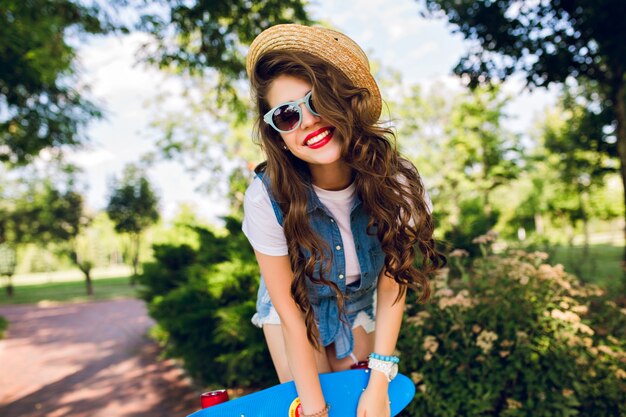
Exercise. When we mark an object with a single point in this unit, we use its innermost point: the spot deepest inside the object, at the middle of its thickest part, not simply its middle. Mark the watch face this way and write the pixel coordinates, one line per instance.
(393, 371)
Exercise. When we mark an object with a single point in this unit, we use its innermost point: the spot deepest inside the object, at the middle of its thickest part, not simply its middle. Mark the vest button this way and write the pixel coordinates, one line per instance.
(340, 276)
(332, 220)
(338, 247)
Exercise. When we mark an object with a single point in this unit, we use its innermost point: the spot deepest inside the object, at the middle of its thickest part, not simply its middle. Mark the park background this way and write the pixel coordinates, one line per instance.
(126, 149)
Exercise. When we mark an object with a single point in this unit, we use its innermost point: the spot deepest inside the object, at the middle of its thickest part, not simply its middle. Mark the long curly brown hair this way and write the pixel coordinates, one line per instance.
(389, 186)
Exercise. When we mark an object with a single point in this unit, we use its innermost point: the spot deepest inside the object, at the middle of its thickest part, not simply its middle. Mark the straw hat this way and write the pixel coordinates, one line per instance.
(331, 46)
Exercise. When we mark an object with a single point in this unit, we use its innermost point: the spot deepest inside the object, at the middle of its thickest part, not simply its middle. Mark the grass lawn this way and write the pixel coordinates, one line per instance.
(73, 291)
(602, 264)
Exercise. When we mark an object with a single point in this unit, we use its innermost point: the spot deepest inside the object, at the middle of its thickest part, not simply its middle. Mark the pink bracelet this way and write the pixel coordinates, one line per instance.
(321, 413)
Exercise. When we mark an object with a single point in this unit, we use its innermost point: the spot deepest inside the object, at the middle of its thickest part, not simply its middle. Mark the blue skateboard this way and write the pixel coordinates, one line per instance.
(342, 391)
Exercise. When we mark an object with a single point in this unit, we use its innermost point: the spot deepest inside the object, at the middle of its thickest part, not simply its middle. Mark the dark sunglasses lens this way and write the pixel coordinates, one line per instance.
(286, 117)
(312, 104)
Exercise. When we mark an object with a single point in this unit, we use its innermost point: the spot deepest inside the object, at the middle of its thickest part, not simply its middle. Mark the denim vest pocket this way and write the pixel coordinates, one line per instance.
(318, 291)
(375, 262)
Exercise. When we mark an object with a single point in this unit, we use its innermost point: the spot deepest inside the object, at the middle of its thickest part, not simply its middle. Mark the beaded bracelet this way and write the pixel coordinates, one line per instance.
(321, 413)
(393, 359)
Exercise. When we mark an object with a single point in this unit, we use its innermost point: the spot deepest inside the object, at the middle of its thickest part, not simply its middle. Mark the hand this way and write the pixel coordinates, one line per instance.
(374, 402)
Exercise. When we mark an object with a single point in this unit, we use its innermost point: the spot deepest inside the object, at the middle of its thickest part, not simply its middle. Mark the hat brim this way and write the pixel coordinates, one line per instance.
(331, 46)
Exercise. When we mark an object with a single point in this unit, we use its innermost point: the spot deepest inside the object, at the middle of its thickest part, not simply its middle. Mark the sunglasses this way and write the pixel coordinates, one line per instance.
(287, 117)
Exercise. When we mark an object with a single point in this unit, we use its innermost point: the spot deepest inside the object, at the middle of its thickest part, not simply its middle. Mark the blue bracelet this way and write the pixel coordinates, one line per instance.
(393, 359)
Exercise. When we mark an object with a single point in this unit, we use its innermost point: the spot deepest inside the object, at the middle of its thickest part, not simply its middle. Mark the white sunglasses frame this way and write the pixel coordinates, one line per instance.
(267, 118)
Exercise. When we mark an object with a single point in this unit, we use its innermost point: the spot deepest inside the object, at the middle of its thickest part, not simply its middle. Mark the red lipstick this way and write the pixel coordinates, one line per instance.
(321, 142)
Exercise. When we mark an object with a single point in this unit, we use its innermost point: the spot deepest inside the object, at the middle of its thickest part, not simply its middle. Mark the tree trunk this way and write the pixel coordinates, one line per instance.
(538, 223)
(585, 220)
(572, 257)
(487, 210)
(85, 267)
(619, 98)
(9, 287)
(88, 282)
(136, 240)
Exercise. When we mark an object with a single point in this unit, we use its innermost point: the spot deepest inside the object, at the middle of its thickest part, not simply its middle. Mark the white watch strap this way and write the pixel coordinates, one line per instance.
(381, 366)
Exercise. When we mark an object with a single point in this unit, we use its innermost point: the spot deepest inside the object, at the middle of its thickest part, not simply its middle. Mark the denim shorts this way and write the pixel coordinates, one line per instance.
(267, 314)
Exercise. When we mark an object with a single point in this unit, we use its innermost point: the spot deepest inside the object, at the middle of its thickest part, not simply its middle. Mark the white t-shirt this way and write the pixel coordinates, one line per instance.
(267, 236)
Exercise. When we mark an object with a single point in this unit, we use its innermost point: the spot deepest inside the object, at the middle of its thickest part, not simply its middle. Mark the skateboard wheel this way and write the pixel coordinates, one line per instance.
(211, 398)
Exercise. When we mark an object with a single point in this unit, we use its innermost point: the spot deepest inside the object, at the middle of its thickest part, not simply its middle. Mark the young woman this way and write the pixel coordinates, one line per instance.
(334, 215)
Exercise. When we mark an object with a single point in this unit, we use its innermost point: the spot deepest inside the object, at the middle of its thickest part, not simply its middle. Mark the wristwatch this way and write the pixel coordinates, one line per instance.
(390, 369)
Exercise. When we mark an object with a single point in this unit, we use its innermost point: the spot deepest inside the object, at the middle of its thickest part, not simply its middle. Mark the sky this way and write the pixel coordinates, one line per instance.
(391, 32)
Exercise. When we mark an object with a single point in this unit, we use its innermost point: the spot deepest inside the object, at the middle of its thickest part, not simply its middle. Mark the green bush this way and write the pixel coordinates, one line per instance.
(514, 336)
(202, 300)
(472, 222)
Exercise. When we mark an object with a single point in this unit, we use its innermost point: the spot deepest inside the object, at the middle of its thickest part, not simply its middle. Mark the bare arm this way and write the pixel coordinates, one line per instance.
(388, 318)
(278, 276)
(375, 400)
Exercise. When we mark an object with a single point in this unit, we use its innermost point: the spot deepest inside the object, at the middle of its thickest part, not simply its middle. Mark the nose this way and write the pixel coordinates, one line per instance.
(308, 118)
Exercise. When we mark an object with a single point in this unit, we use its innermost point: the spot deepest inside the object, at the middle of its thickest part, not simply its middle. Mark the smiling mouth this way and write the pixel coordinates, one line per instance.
(320, 139)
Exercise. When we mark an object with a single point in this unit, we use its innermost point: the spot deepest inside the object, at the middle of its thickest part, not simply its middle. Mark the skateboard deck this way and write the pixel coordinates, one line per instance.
(342, 391)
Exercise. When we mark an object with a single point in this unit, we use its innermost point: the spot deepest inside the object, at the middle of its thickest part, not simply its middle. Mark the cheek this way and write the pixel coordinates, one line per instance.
(289, 139)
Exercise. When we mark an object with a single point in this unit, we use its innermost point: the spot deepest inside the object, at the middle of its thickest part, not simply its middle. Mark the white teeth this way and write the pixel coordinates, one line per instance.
(317, 138)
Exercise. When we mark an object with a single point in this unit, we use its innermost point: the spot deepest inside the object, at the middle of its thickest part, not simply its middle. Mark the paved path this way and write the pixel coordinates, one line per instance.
(87, 360)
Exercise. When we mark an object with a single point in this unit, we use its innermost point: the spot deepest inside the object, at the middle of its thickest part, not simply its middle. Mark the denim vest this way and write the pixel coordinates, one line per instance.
(359, 297)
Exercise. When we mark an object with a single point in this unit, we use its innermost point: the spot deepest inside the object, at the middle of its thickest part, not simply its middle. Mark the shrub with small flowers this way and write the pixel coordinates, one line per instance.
(514, 336)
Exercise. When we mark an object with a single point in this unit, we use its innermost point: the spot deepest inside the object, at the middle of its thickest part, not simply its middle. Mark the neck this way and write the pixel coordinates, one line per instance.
(333, 177)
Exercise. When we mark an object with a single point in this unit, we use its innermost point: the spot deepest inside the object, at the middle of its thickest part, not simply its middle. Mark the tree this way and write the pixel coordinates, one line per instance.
(132, 207)
(549, 42)
(198, 37)
(47, 209)
(7, 265)
(206, 138)
(62, 220)
(204, 43)
(460, 147)
(581, 169)
(485, 153)
(41, 103)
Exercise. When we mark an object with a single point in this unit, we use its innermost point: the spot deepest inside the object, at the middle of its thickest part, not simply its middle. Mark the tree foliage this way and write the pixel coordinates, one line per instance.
(486, 153)
(46, 208)
(205, 43)
(464, 153)
(41, 102)
(578, 160)
(133, 206)
(550, 42)
(208, 139)
(575, 133)
(42, 204)
(195, 36)
(133, 202)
